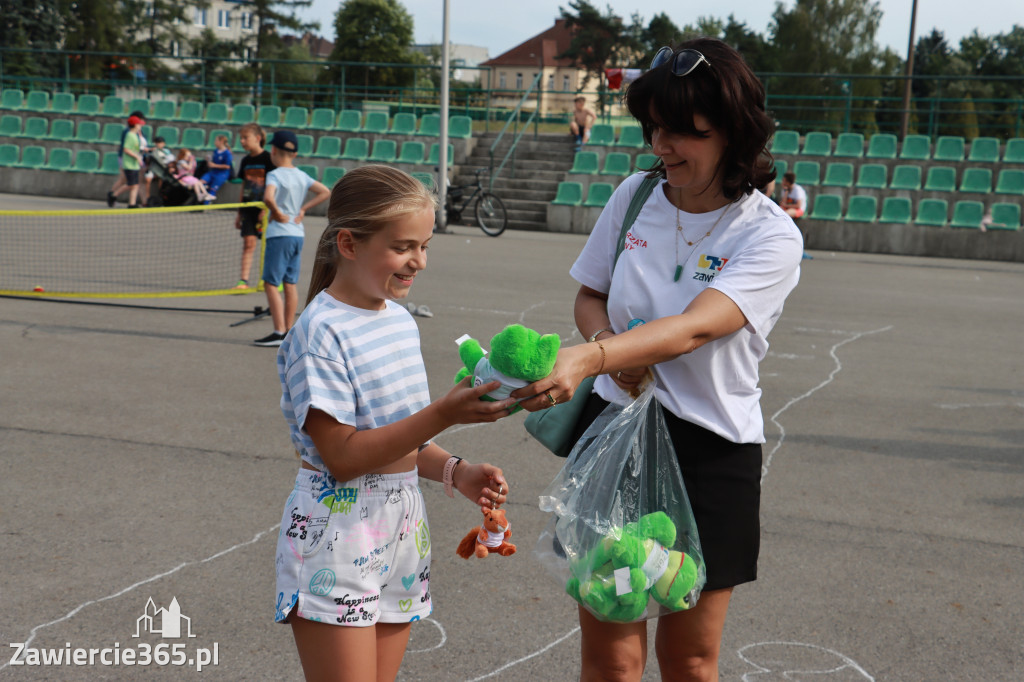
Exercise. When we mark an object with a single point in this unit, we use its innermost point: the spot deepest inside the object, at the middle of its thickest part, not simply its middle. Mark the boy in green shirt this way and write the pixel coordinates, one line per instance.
(133, 159)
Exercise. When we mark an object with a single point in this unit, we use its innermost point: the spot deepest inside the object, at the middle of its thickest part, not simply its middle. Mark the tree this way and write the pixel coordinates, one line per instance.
(374, 31)
(31, 24)
(599, 41)
(271, 16)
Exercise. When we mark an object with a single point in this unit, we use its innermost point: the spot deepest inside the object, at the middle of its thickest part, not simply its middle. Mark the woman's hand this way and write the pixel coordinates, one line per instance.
(462, 404)
(630, 380)
(481, 484)
(570, 369)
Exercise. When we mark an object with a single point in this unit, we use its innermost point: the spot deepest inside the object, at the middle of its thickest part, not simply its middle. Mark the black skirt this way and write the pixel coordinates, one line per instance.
(723, 482)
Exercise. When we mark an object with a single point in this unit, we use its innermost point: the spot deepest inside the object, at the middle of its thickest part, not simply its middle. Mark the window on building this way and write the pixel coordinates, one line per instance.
(175, 48)
(223, 18)
(246, 20)
(551, 81)
(501, 80)
(247, 53)
(200, 16)
(565, 83)
(519, 81)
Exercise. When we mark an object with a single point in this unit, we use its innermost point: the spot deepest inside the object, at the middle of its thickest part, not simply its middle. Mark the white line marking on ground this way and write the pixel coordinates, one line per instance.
(71, 614)
(846, 662)
(526, 658)
(826, 382)
(444, 638)
(967, 406)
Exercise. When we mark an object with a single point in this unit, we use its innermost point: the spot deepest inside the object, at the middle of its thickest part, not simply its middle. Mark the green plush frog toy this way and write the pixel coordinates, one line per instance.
(616, 578)
(519, 356)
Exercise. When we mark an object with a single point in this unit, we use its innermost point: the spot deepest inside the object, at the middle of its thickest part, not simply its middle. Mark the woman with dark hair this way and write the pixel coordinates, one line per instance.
(706, 267)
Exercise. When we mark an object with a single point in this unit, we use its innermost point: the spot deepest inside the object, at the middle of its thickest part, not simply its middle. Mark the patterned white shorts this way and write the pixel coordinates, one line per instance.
(354, 553)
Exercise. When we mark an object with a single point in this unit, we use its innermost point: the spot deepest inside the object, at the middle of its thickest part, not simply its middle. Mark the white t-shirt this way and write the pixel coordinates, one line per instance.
(795, 197)
(752, 256)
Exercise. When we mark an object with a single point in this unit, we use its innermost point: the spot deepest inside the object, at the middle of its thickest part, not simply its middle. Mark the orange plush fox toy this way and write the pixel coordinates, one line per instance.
(491, 537)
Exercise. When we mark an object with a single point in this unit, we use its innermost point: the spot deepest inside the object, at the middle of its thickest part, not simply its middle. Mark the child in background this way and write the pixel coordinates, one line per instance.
(120, 185)
(161, 155)
(219, 166)
(185, 166)
(132, 161)
(252, 171)
(286, 189)
(353, 552)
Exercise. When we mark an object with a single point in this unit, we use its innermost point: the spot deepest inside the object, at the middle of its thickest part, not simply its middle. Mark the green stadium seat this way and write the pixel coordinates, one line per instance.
(268, 116)
(861, 209)
(242, 114)
(88, 105)
(384, 151)
(882, 146)
(305, 145)
(296, 118)
(645, 160)
(86, 161)
(322, 119)
(434, 156)
(1010, 181)
(164, 110)
(430, 125)
(968, 215)
(190, 112)
(817, 144)
(403, 123)
(310, 170)
(147, 131)
(216, 113)
(63, 103)
(349, 121)
(412, 153)
(872, 176)
(569, 194)
(598, 194)
(631, 136)
(8, 155)
(138, 104)
(785, 142)
(585, 162)
(896, 210)
(780, 168)
(112, 133)
(37, 100)
(87, 131)
(12, 99)
(940, 179)
(906, 178)
(849, 145)
(602, 135)
(984, 150)
(60, 159)
(332, 173)
(32, 156)
(1014, 152)
(916, 148)
(10, 125)
(193, 138)
(827, 207)
(460, 127)
(932, 212)
(110, 165)
(35, 128)
(356, 149)
(62, 129)
(113, 107)
(807, 173)
(328, 147)
(949, 148)
(838, 175)
(978, 180)
(427, 179)
(1005, 217)
(616, 163)
(377, 122)
(171, 135)
(212, 136)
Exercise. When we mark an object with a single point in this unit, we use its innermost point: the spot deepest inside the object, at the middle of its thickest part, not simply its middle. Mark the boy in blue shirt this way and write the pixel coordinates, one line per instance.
(219, 167)
(286, 189)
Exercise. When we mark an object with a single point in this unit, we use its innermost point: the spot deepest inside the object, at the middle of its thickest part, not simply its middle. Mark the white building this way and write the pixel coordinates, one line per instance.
(458, 55)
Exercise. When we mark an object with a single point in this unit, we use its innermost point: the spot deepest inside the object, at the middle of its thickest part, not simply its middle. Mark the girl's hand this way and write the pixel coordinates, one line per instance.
(560, 385)
(482, 484)
(462, 404)
(238, 221)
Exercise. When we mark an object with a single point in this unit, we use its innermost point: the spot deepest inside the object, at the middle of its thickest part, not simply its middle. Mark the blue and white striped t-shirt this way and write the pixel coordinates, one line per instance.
(362, 367)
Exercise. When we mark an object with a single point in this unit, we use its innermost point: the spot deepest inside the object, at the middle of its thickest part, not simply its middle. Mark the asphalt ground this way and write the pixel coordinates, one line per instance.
(143, 455)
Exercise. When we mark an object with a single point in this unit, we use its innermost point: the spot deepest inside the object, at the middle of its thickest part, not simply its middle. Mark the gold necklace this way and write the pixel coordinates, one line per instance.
(693, 245)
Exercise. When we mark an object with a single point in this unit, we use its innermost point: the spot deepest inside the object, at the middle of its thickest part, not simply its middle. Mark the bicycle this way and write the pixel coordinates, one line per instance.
(489, 210)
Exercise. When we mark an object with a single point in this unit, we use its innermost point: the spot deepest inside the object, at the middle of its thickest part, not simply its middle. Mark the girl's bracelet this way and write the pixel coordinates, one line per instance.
(448, 475)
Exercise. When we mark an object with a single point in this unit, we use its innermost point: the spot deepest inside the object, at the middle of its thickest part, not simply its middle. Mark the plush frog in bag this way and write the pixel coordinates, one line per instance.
(628, 567)
(519, 356)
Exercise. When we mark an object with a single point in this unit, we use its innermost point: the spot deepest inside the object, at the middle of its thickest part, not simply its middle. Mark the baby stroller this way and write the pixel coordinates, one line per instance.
(171, 192)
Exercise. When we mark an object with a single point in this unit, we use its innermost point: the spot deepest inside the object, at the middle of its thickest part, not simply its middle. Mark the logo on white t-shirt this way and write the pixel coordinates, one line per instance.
(634, 242)
(708, 267)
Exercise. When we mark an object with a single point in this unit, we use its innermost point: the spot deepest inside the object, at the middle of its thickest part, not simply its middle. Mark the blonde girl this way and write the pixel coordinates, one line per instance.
(353, 553)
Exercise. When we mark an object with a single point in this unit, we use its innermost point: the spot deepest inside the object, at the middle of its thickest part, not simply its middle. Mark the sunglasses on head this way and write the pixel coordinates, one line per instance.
(683, 62)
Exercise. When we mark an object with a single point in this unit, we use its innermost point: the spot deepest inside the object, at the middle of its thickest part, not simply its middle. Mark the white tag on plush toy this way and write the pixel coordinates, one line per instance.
(656, 564)
(622, 585)
(462, 339)
(484, 373)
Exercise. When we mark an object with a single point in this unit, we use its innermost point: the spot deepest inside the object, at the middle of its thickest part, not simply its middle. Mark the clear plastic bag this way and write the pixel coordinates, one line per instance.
(622, 540)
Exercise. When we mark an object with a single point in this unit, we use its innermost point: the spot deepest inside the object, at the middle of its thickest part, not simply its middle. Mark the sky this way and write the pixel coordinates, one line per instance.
(500, 25)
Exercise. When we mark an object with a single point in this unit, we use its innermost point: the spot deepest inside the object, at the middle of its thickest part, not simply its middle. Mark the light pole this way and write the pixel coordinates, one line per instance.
(442, 152)
(905, 122)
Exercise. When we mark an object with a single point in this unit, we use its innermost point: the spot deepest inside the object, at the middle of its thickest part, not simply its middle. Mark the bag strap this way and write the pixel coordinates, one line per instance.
(636, 204)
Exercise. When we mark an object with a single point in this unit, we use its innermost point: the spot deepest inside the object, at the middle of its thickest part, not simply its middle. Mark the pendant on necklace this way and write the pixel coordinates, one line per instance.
(679, 273)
